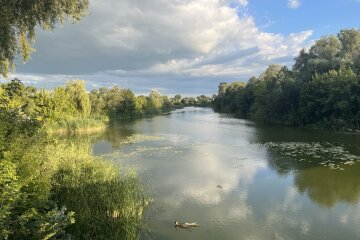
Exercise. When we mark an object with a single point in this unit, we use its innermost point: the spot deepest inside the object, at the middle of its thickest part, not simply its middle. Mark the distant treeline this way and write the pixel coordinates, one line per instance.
(122, 103)
(71, 107)
(321, 90)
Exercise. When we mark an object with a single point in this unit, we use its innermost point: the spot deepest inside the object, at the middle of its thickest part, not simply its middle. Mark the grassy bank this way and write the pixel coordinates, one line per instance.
(107, 204)
(52, 189)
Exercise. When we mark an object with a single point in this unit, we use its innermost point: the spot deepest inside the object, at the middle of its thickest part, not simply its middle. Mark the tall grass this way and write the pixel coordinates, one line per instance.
(107, 204)
(52, 189)
(76, 125)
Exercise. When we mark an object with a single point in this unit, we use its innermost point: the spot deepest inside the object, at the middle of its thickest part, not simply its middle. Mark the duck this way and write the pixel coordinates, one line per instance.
(186, 225)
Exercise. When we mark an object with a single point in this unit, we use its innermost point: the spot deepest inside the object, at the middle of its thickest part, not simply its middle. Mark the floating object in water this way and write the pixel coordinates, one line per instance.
(219, 186)
(186, 225)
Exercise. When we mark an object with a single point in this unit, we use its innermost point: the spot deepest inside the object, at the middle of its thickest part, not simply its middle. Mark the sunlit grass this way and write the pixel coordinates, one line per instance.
(76, 125)
(108, 204)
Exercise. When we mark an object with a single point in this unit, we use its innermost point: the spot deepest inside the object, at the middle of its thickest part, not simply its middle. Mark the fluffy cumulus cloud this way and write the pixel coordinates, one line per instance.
(170, 44)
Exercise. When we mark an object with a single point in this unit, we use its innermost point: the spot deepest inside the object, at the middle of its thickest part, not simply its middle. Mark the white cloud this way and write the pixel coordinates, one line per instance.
(294, 4)
(164, 39)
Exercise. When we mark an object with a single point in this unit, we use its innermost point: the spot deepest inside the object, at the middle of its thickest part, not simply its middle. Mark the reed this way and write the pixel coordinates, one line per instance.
(108, 203)
(76, 125)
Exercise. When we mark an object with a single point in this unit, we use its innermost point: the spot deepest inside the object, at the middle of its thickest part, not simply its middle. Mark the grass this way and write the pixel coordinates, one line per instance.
(107, 204)
(77, 125)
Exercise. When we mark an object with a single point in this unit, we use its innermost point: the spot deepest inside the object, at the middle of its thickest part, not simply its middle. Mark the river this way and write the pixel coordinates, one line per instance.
(238, 179)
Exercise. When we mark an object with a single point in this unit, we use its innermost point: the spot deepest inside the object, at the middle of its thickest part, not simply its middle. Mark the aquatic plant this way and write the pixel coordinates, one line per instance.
(322, 153)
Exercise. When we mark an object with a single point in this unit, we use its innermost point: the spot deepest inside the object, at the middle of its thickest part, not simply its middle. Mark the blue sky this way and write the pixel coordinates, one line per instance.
(186, 46)
(324, 17)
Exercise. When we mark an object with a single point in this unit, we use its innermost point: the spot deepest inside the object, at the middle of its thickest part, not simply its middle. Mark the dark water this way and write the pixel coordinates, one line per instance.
(277, 183)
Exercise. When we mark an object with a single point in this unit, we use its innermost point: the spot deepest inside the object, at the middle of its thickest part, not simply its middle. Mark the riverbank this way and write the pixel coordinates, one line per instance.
(57, 188)
(317, 126)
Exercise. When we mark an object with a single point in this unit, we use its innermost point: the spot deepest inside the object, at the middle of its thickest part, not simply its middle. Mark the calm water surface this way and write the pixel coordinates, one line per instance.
(277, 183)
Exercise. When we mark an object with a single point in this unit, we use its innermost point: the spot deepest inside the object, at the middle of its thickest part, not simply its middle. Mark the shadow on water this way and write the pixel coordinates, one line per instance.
(328, 187)
(117, 131)
(325, 165)
(114, 134)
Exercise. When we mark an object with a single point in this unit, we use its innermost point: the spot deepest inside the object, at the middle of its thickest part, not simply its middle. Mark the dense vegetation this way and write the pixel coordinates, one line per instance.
(321, 90)
(72, 109)
(117, 103)
(51, 189)
(54, 190)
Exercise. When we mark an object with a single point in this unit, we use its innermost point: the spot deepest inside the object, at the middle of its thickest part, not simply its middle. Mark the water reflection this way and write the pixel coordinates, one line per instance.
(327, 187)
(267, 192)
(325, 165)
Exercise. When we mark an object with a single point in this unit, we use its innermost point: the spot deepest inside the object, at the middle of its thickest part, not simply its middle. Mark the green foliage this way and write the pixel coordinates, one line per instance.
(9, 195)
(25, 174)
(37, 174)
(107, 205)
(332, 99)
(141, 105)
(177, 99)
(199, 101)
(51, 224)
(155, 100)
(20, 18)
(62, 106)
(76, 90)
(71, 109)
(98, 101)
(122, 103)
(322, 89)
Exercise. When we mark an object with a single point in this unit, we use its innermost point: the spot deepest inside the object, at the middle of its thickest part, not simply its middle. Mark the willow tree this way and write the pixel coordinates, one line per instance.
(79, 97)
(20, 18)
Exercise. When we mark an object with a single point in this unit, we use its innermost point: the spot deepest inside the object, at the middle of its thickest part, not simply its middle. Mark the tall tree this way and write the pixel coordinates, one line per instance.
(20, 18)
(79, 97)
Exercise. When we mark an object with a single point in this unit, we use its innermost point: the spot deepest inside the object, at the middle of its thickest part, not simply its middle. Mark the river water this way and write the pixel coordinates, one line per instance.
(238, 179)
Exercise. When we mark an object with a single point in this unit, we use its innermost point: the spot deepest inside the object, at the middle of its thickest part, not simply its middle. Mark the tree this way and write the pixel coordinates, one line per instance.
(98, 101)
(350, 39)
(156, 100)
(177, 99)
(141, 104)
(271, 72)
(77, 92)
(326, 48)
(127, 106)
(20, 18)
(332, 99)
(222, 88)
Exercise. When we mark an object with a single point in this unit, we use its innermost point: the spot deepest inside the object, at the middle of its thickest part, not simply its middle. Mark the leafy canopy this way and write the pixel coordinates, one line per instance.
(19, 19)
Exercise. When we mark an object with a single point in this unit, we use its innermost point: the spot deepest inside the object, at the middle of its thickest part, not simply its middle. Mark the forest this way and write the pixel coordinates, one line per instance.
(321, 90)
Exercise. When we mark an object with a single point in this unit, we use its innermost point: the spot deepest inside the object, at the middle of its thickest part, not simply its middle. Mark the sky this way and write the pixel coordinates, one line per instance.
(181, 46)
